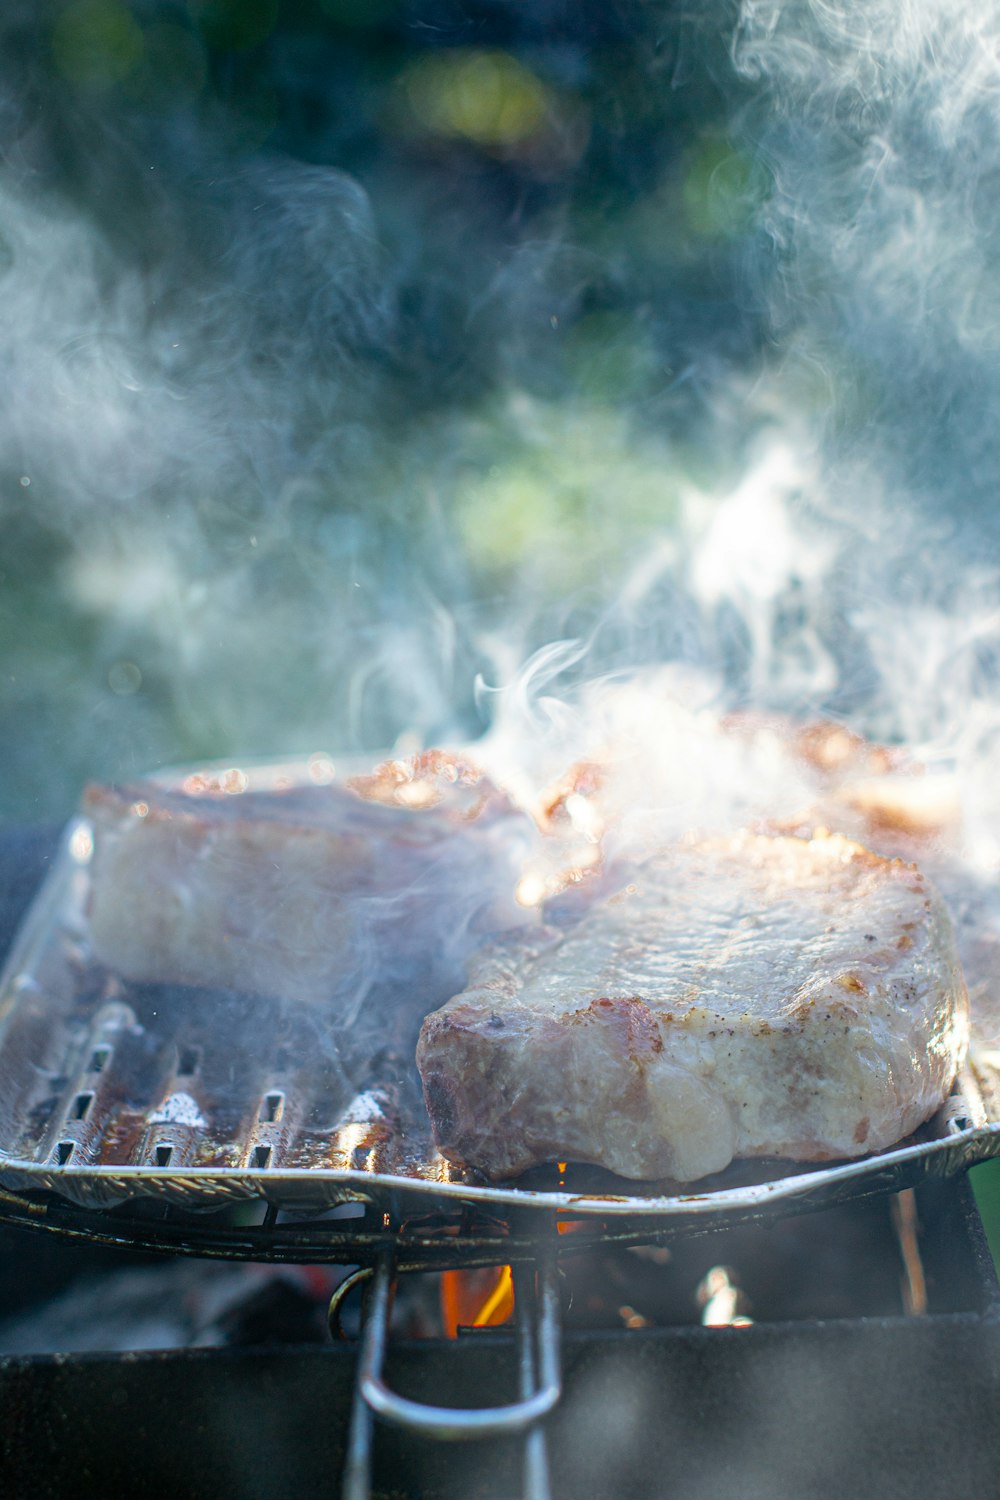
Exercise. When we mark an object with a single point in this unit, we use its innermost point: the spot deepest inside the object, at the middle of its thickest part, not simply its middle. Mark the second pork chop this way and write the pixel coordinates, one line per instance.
(756, 996)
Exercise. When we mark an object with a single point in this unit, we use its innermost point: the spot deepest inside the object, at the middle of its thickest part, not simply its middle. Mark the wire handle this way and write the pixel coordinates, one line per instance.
(540, 1381)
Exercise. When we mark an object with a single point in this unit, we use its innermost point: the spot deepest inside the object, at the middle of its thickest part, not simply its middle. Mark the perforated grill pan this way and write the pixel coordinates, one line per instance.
(111, 1092)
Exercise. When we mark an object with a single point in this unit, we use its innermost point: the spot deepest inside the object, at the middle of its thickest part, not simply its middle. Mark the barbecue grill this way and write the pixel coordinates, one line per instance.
(834, 1390)
(678, 232)
(100, 1153)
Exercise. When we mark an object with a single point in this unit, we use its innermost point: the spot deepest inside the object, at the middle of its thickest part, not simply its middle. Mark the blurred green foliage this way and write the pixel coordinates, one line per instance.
(487, 419)
(96, 43)
(985, 1180)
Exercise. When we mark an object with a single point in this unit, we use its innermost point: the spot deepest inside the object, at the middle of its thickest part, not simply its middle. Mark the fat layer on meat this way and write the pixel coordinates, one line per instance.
(315, 893)
(756, 996)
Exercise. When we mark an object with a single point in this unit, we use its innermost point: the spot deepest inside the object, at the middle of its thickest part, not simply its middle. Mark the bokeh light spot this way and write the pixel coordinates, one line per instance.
(489, 98)
(96, 43)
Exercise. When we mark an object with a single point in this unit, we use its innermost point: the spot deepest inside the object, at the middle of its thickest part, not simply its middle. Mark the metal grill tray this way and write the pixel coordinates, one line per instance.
(112, 1092)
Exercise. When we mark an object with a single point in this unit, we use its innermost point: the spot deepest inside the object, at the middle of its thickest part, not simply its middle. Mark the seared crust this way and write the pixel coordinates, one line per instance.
(760, 996)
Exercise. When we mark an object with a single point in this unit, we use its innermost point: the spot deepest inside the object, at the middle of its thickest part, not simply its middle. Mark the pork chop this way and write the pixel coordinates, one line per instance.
(313, 893)
(753, 996)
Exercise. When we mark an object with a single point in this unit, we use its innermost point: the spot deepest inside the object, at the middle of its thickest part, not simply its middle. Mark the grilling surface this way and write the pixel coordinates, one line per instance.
(110, 1091)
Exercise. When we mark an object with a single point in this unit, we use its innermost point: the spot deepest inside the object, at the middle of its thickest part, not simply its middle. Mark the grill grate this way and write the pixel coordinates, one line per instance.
(111, 1092)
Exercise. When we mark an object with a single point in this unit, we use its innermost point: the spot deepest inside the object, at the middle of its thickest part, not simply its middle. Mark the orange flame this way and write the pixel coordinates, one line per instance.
(476, 1299)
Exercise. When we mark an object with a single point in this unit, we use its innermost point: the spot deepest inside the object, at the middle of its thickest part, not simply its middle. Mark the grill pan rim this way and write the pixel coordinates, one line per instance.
(101, 1186)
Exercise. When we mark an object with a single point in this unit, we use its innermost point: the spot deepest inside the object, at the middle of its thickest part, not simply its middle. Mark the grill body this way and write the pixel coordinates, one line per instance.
(798, 1406)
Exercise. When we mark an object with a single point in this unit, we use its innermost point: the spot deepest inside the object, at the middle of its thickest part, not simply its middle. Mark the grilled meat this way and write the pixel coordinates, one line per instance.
(754, 996)
(312, 893)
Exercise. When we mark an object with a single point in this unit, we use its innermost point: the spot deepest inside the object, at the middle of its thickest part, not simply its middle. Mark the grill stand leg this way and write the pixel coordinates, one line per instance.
(536, 1458)
(358, 1468)
(539, 1380)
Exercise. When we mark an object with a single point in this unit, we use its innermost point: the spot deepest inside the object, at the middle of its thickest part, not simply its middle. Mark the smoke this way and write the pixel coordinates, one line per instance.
(881, 129)
(846, 563)
(196, 343)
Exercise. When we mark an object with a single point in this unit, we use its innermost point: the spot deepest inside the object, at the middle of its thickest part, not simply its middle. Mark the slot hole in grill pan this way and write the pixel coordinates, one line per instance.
(81, 1106)
(162, 1155)
(272, 1108)
(188, 1061)
(64, 1151)
(99, 1059)
(261, 1157)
